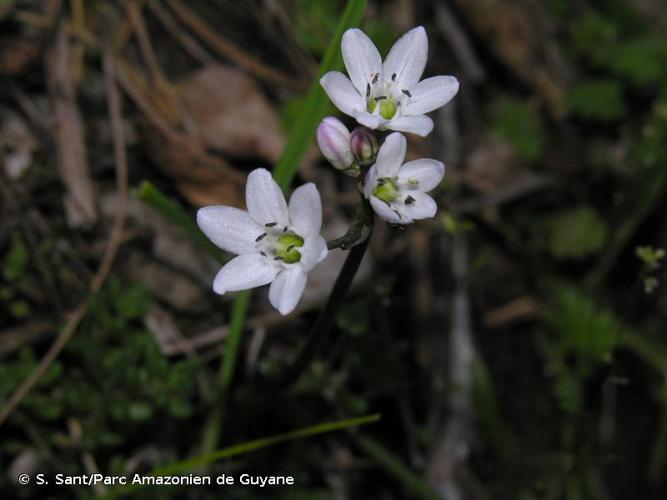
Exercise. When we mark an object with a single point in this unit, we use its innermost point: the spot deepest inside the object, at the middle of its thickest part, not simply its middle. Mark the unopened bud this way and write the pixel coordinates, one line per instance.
(333, 138)
(364, 145)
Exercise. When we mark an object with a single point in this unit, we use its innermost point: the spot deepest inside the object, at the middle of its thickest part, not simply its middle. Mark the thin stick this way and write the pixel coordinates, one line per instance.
(328, 315)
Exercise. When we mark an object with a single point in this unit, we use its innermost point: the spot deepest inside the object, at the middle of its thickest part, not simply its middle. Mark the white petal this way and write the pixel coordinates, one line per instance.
(384, 211)
(243, 272)
(407, 59)
(305, 210)
(313, 251)
(427, 174)
(342, 93)
(391, 155)
(287, 289)
(370, 181)
(420, 125)
(266, 202)
(361, 57)
(369, 120)
(231, 229)
(423, 207)
(430, 94)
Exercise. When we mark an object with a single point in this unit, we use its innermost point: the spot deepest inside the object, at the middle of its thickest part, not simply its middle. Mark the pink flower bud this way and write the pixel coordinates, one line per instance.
(364, 145)
(333, 138)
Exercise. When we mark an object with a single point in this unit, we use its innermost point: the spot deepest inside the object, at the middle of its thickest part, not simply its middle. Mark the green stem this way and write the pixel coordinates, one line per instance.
(328, 315)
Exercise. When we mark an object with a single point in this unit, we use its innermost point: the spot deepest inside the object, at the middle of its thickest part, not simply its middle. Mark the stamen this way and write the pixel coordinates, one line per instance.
(409, 200)
(393, 77)
(382, 97)
(278, 258)
(270, 224)
(407, 93)
(260, 237)
(368, 89)
(396, 212)
(263, 254)
(285, 229)
(375, 78)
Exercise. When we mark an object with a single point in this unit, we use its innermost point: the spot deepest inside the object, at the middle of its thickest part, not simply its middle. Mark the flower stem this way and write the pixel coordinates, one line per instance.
(336, 298)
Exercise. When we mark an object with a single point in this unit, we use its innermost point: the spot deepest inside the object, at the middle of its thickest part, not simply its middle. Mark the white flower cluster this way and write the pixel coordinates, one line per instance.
(278, 243)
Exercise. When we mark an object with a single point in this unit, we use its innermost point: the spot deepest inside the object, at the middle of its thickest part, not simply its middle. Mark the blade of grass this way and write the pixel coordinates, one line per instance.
(411, 481)
(152, 196)
(315, 106)
(239, 449)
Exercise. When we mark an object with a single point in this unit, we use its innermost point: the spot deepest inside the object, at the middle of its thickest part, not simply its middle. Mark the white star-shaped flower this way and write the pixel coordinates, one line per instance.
(390, 95)
(397, 190)
(275, 243)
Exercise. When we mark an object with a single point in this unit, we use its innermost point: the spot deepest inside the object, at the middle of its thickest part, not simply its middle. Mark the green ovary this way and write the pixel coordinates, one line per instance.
(387, 107)
(386, 190)
(286, 248)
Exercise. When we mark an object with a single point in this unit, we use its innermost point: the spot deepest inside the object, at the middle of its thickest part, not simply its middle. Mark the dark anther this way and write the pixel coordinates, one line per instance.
(393, 77)
(263, 254)
(407, 93)
(285, 229)
(260, 237)
(375, 78)
(381, 181)
(278, 258)
(396, 212)
(368, 89)
(381, 98)
(409, 200)
(270, 224)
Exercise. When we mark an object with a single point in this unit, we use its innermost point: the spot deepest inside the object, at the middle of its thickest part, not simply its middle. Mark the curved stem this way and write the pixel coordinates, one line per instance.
(327, 316)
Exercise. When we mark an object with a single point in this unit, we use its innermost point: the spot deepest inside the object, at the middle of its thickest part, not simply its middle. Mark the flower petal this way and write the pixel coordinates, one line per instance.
(421, 175)
(370, 181)
(243, 272)
(287, 289)
(431, 94)
(391, 155)
(385, 211)
(313, 251)
(305, 210)
(266, 202)
(230, 228)
(407, 59)
(420, 125)
(361, 57)
(342, 93)
(367, 119)
(423, 207)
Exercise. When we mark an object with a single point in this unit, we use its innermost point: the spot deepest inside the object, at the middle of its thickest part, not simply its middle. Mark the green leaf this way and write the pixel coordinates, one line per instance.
(576, 233)
(302, 133)
(597, 99)
(247, 447)
(520, 125)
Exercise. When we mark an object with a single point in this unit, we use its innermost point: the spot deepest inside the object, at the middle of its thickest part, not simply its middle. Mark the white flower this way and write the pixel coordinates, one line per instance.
(275, 243)
(390, 95)
(397, 190)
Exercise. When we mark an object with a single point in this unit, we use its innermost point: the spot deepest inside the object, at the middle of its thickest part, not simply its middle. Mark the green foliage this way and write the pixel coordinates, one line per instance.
(584, 339)
(650, 256)
(16, 260)
(597, 99)
(315, 22)
(520, 124)
(575, 233)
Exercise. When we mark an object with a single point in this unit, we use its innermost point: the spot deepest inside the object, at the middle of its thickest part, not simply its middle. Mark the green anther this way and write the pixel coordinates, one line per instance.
(371, 104)
(388, 109)
(386, 190)
(286, 248)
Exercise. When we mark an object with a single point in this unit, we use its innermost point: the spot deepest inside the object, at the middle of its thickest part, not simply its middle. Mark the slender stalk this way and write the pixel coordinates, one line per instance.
(327, 316)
